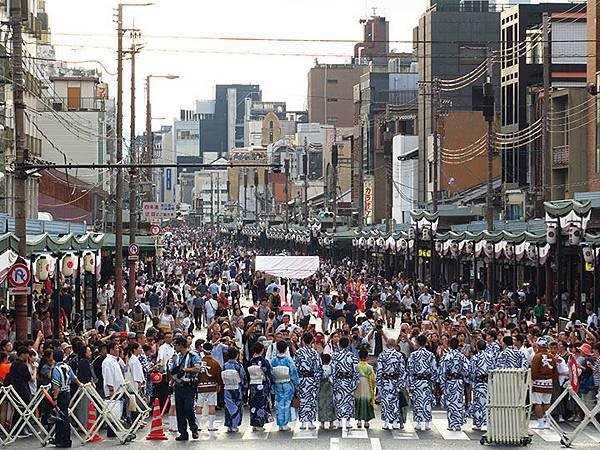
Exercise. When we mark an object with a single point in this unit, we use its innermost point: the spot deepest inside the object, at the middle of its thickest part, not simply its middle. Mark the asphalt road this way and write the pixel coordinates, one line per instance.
(358, 439)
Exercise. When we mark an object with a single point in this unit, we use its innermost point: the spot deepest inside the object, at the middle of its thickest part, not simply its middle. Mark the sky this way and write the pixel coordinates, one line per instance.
(84, 29)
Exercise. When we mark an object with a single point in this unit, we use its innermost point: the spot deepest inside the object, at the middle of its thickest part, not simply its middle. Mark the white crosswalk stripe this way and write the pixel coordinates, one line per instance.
(305, 434)
(375, 444)
(547, 434)
(442, 427)
(334, 444)
(407, 433)
(250, 435)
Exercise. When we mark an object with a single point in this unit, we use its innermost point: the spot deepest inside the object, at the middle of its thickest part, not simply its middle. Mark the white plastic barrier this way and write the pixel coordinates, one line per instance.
(107, 413)
(567, 437)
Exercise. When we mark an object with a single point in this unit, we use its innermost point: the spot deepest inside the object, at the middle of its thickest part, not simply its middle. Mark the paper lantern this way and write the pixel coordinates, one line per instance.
(68, 265)
(88, 261)
(42, 268)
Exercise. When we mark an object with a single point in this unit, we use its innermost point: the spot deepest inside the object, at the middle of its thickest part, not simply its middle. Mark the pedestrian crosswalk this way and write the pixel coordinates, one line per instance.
(340, 439)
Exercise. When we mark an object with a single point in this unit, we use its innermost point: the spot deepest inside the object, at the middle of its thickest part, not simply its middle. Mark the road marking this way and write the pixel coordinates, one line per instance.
(442, 427)
(355, 433)
(334, 444)
(250, 435)
(375, 444)
(407, 433)
(547, 434)
(593, 434)
(305, 434)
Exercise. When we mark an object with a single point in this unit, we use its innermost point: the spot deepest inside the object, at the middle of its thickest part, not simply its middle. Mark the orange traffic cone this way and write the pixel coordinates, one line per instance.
(156, 429)
(92, 423)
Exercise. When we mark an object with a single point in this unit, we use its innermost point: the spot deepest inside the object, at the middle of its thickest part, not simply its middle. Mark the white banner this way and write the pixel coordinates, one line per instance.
(298, 267)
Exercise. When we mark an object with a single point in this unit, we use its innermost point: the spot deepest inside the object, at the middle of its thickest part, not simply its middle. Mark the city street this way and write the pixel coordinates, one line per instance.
(357, 439)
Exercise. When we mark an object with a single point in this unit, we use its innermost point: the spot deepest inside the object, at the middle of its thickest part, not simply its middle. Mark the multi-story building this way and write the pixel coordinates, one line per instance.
(266, 123)
(210, 192)
(35, 33)
(164, 179)
(248, 189)
(386, 105)
(593, 79)
(80, 98)
(452, 39)
(522, 80)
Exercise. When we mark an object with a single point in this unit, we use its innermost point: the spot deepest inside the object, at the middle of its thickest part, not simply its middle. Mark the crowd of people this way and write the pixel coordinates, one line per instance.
(206, 333)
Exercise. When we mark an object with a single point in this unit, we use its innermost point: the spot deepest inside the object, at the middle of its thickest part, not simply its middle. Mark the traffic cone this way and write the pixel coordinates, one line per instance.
(156, 429)
(92, 423)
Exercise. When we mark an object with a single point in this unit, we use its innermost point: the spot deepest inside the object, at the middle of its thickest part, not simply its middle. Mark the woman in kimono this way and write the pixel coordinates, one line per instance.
(326, 406)
(261, 380)
(286, 379)
(234, 381)
(365, 391)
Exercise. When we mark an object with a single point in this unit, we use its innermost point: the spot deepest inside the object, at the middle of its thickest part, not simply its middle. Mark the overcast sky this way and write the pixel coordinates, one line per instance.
(84, 29)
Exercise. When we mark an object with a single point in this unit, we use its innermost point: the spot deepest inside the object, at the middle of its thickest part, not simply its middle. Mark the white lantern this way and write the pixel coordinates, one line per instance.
(588, 254)
(42, 268)
(509, 251)
(454, 248)
(469, 247)
(403, 244)
(68, 265)
(575, 234)
(88, 261)
(532, 252)
(411, 233)
(380, 242)
(489, 249)
(438, 247)
(551, 234)
(426, 234)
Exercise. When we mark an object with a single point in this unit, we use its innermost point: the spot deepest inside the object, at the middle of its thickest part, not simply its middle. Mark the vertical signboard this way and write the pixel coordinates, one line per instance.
(369, 199)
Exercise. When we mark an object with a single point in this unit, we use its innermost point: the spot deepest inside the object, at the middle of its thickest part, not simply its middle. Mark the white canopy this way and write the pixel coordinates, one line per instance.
(298, 267)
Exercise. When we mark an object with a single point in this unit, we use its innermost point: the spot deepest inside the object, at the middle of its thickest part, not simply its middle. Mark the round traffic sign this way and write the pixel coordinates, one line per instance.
(134, 249)
(155, 230)
(19, 275)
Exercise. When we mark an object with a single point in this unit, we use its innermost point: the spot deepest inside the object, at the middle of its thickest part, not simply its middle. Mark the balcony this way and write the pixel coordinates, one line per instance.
(66, 104)
(560, 157)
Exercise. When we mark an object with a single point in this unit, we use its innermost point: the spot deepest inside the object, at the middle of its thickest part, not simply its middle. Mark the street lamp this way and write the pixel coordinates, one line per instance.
(149, 194)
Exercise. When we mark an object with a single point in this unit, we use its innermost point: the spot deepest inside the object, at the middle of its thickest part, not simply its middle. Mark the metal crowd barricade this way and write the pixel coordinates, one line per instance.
(24, 415)
(567, 437)
(105, 414)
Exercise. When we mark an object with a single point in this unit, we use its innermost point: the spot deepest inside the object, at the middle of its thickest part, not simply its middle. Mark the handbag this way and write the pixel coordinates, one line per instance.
(296, 400)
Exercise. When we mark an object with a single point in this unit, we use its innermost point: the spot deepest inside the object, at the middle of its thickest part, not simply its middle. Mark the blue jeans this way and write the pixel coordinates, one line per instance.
(184, 407)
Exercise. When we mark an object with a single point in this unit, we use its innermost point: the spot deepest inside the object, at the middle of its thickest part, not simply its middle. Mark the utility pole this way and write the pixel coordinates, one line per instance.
(149, 142)
(119, 182)
(256, 182)
(546, 157)
(286, 169)
(488, 114)
(334, 165)
(133, 156)
(305, 164)
(212, 199)
(21, 157)
(435, 108)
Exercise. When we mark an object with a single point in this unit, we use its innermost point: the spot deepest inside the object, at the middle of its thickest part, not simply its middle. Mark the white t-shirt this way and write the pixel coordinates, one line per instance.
(425, 299)
(112, 374)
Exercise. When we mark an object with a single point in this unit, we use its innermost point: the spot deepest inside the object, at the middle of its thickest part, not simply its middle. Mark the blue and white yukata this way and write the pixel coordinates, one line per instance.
(309, 368)
(284, 387)
(453, 370)
(481, 365)
(233, 393)
(511, 358)
(422, 372)
(391, 379)
(493, 349)
(344, 377)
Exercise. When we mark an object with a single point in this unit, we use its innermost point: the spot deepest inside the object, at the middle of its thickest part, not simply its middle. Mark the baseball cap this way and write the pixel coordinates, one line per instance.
(586, 349)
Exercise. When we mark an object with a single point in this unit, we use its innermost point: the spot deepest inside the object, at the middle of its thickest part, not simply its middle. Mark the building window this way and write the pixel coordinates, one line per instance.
(329, 81)
(332, 121)
(332, 100)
